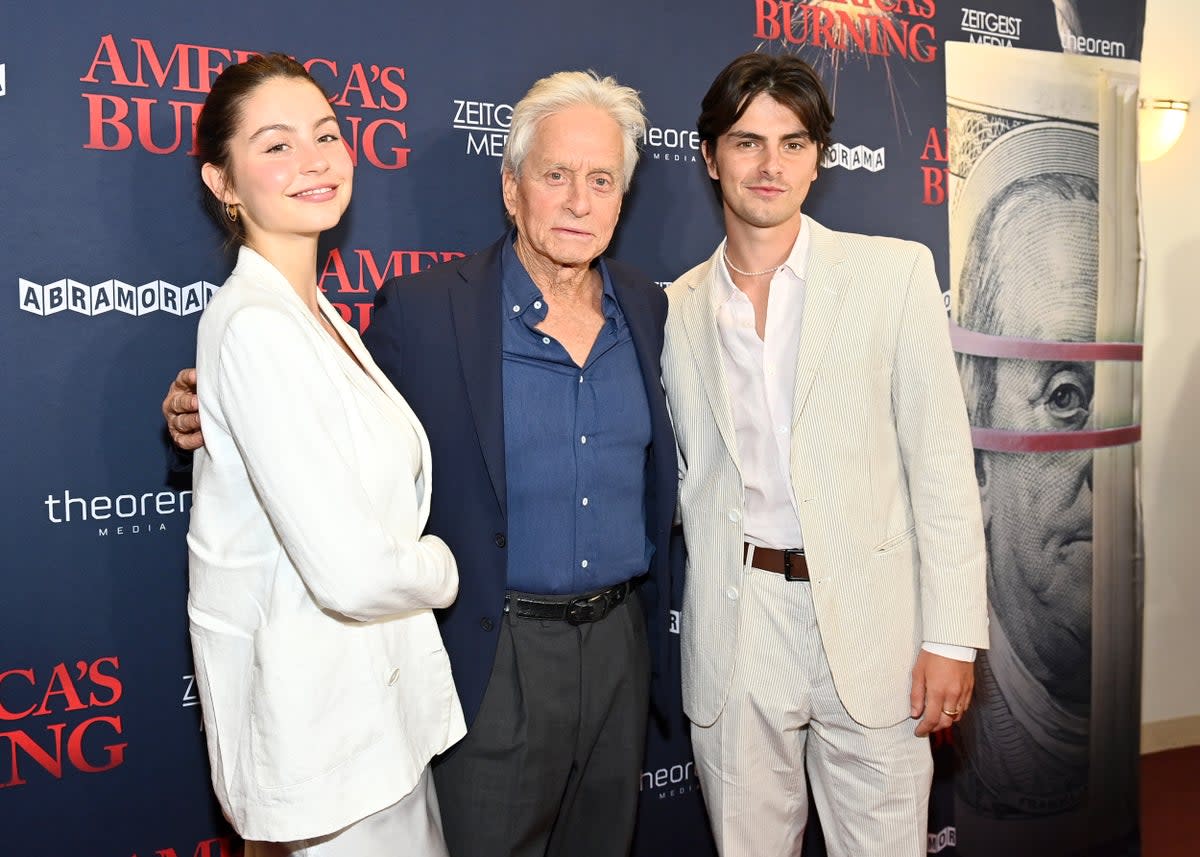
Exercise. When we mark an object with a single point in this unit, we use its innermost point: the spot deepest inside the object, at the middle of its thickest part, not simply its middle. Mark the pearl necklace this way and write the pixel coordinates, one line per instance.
(725, 254)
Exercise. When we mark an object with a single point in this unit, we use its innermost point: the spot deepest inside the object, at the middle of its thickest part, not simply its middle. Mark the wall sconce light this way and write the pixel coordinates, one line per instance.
(1160, 122)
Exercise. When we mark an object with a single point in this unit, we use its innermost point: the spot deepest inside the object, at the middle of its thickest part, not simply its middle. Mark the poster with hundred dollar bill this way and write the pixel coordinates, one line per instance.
(1045, 303)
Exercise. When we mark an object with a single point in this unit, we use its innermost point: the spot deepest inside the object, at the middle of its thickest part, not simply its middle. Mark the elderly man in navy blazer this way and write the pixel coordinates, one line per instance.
(534, 367)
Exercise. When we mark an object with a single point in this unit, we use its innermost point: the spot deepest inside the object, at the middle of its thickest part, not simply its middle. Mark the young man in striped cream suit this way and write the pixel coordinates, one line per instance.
(835, 593)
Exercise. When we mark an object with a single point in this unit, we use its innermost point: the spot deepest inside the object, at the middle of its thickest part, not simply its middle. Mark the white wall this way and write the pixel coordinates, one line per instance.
(1171, 383)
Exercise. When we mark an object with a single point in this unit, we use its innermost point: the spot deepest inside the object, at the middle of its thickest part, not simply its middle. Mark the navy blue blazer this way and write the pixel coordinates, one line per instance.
(436, 335)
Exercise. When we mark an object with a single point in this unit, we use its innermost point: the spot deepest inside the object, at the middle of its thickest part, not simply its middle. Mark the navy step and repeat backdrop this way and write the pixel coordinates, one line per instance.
(107, 260)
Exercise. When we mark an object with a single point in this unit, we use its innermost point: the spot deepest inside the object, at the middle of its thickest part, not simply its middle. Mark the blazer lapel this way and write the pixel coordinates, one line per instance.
(374, 375)
(475, 310)
(825, 288)
(700, 323)
(647, 343)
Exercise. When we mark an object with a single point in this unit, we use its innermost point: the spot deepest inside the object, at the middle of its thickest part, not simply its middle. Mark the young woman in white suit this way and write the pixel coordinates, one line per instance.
(324, 684)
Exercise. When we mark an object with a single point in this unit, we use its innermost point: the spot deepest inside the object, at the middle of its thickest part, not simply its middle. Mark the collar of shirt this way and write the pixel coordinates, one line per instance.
(523, 299)
(796, 264)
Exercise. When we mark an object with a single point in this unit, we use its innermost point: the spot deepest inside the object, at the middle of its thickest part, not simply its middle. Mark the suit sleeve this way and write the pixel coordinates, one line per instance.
(935, 442)
(281, 401)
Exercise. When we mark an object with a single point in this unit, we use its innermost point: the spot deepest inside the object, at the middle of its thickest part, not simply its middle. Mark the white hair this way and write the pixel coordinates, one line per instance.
(564, 89)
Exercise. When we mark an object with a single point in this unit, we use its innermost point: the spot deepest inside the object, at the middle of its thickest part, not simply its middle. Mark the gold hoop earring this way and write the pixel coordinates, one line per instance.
(231, 212)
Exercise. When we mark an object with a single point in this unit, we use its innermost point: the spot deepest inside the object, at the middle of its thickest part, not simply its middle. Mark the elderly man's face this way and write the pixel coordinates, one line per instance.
(567, 199)
(1038, 506)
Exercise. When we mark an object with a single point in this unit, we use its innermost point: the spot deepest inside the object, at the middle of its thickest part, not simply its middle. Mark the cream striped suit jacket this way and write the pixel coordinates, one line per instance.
(881, 465)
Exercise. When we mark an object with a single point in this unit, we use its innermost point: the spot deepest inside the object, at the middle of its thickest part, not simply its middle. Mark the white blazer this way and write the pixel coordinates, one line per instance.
(324, 685)
(881, 465)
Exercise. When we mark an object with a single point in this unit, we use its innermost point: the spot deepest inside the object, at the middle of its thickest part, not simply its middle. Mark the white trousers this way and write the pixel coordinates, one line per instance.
(782, 715)
(411, 827)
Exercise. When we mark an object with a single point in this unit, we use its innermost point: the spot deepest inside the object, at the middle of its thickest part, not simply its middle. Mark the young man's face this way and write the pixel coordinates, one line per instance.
(765, 164)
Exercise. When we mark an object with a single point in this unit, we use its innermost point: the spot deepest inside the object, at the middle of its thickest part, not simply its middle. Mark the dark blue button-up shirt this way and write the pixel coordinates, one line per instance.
(575, 445)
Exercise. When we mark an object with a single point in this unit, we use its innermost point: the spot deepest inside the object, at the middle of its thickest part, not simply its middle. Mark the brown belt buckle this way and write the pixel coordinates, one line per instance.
(787, 565)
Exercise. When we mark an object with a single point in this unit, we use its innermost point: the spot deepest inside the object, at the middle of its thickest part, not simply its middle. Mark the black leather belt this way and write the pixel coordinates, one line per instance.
(790, 563)
(576, 609)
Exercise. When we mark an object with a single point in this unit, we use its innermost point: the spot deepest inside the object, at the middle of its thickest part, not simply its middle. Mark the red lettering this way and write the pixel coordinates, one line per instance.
(848, 25)
(934, 149)
(367, 268)
(50, 763)
(62, 685)
(108, 55)
(358, 83)
(144, 131)
(822, 26)
(207, 72)
(768, 25)
(106, 681)
(394, 88)
(350, 311)
(147, 56)
(204, 848)
(335, 267)
(116, 752)
(98, 122)
(5, 714)
(398, 158)
(922, 49)
(934, 185)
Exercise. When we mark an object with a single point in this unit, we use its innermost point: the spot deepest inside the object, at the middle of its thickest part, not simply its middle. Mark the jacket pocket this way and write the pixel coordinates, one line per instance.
(890, 544)
(316, 698)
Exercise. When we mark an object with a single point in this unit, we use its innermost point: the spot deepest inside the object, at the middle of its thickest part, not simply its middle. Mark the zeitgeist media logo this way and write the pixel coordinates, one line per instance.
(113, 296)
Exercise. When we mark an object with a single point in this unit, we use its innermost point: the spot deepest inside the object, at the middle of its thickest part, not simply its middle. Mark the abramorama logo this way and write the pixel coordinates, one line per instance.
(854, 158)
(122, 515)
(113, 296)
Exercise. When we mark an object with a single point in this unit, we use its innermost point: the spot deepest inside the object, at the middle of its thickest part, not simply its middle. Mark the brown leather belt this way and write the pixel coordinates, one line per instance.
(790, 563)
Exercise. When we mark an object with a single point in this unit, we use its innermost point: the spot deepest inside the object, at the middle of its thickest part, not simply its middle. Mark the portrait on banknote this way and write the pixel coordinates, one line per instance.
(1032, 290)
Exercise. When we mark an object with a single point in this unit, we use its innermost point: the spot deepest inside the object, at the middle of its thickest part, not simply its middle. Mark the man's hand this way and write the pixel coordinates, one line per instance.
(941, 691)
(181, 410)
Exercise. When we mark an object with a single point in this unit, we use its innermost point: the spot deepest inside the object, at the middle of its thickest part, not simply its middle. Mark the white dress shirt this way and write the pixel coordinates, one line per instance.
(761, 376)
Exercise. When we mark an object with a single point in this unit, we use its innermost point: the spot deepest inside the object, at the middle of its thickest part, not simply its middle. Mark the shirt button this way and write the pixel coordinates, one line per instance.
(580, 379)
(583, 438)
(393, 677)
(537, 304)
(500, 540)
(584, 501)
(485, 623)
(516, 309)
(583, 564)
(781, 429)
(735, 515)
(731, 593)
(545, 340)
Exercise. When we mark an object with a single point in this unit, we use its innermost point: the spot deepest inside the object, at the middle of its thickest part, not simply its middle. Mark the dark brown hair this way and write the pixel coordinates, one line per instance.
(788, 79)
(219, 120)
